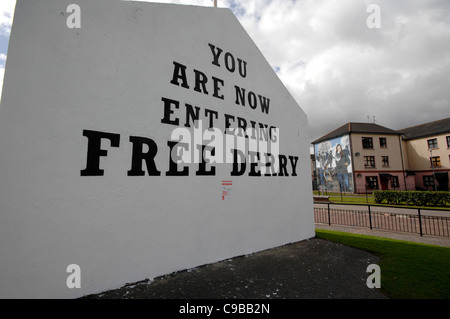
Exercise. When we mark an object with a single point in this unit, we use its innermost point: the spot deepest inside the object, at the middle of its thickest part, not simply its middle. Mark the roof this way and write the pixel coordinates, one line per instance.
(427, 129)
(352, 127)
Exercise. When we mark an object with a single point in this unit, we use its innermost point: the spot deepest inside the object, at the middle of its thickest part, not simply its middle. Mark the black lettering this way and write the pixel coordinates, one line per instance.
(216, 54)
(270, 161)
(173, 156)
(229, 57)
(216, 82)
(94, 151)
(273, 134)
(263, 132)
(202, 165)
(179, 73)
(283, 164)
(242, 126)
(190, 114)
(294, 160)
(252, 100)
(200, 82)
(254, 162)
(228, 124)
(211, 114)
(240, 95)
(254, 130)
(238, 171)
(168, 111)
(242, 69)
(139, 156)
(264, 104)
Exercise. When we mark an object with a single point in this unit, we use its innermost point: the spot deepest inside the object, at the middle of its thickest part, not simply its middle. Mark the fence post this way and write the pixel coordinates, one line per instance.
(329, 215)
(370, 218)
(420, 223)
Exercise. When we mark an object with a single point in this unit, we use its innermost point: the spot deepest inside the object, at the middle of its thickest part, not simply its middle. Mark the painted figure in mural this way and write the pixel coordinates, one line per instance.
(328, 174)
(323, 161)
(342, 162)
(319, 167)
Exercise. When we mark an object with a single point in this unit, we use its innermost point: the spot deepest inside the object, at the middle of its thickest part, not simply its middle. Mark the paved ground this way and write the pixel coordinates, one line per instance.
(310, 269)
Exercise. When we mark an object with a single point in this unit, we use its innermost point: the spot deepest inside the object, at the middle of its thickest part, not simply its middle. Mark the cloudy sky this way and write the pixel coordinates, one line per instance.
(340, 62)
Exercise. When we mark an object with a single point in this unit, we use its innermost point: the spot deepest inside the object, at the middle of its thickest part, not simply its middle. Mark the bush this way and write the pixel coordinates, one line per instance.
(416, 198)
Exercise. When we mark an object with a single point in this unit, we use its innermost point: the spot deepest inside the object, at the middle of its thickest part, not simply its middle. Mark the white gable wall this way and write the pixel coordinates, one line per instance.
(110, 76)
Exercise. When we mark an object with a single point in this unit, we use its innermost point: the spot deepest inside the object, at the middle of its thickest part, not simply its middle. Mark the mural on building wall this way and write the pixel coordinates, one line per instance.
(333, 165)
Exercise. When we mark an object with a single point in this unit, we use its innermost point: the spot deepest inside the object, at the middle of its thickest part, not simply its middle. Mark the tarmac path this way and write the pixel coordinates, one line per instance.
(309, 269)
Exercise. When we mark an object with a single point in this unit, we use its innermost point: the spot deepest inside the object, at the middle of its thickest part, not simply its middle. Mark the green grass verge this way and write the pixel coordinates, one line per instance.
(408, 270)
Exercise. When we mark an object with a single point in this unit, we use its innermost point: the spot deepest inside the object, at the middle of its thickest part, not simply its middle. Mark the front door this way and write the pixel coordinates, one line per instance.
(442, 181)
(384, 181)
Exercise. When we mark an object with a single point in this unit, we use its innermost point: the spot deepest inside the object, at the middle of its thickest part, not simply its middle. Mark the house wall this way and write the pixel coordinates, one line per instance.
(393, 151)
(419, 160)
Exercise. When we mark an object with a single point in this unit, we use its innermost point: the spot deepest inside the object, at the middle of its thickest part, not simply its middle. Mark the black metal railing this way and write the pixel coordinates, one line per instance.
(364, 216)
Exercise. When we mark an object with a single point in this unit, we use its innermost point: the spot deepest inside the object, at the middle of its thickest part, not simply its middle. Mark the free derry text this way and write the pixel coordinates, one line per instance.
(252, 148)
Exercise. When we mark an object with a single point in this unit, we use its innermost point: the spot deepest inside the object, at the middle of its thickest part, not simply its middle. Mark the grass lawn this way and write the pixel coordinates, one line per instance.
(408, 270)
(369, 200)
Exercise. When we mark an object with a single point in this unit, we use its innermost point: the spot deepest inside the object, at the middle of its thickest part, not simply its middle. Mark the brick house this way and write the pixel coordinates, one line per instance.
(379, 158)
(428, 154)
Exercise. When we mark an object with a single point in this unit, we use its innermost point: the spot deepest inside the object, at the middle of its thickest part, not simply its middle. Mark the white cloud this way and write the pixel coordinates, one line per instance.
(337, 68)
(6, 16)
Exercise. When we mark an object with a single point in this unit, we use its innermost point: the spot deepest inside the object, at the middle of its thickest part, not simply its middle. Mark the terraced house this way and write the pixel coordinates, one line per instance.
(428, 154)
(362, 157)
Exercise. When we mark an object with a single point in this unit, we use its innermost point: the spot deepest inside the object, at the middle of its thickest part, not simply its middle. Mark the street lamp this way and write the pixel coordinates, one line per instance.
(432, 166)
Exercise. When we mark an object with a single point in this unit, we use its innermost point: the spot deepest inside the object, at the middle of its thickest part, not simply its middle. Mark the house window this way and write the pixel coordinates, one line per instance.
(394, 182)
(383, 142)
(435, 161)
(448, 141)
(369, 161)
(428, 180)
(385, 160)
(432, 143)
(372, 182)
(367, 142)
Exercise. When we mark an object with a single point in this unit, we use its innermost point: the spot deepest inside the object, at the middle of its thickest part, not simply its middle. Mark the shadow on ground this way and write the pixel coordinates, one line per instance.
(310, 269)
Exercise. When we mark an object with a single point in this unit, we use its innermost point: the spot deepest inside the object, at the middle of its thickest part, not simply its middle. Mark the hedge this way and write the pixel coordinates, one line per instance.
(416, 198)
